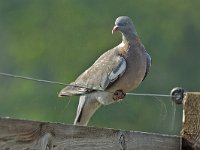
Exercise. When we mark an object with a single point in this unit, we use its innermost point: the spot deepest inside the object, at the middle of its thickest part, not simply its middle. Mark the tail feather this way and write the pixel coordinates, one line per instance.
(86, 108)
(72, 90)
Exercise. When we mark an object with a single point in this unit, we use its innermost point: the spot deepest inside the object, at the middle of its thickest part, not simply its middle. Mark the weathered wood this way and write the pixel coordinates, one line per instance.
(191, 122)
(23, 135)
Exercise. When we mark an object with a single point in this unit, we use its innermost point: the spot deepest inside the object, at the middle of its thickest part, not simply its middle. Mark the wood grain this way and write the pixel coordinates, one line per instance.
(31, 135)
(191, 122)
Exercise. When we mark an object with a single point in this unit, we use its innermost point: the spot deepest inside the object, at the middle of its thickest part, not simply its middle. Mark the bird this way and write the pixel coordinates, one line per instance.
(116, 72)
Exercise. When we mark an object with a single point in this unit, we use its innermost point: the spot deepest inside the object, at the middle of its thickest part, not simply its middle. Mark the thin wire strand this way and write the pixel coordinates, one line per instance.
(44, 81)
(33, 79)
(61, 83)
(151, 95)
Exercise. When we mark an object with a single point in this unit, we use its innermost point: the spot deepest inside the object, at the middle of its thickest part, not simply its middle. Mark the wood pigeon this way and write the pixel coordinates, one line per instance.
(116, 72)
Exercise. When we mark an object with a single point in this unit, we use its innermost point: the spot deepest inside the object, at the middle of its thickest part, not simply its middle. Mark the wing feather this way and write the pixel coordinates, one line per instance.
(104, 72)
(148, 65)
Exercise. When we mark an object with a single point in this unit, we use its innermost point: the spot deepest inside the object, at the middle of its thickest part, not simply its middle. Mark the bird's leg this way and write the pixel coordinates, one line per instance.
(118, 95)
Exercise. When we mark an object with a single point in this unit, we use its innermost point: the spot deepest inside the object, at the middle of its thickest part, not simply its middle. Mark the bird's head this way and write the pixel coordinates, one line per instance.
(125, 25)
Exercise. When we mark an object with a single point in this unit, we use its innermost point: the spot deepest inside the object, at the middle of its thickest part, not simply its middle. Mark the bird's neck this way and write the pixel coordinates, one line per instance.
(129, 38)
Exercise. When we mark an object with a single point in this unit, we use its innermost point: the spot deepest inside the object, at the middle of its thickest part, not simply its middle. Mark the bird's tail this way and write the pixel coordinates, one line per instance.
(86, 109)
(73, 90)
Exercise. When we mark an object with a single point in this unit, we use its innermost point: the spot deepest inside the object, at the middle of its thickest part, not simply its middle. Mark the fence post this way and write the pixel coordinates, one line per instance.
(191, 121)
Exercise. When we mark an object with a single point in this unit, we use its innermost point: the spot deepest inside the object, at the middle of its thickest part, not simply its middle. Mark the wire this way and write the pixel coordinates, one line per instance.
(151, 95)
(33, 79)
(44, 81)
(61, 83)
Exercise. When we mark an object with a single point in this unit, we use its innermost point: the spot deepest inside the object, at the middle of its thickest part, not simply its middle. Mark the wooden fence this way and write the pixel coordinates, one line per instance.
(32, 135)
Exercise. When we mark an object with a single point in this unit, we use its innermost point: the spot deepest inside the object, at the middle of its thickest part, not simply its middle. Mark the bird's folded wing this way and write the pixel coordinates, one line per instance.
(103, 73)
(148, 65)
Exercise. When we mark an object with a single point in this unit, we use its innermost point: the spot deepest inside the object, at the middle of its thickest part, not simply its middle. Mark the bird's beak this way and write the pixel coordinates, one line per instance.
(115, 29)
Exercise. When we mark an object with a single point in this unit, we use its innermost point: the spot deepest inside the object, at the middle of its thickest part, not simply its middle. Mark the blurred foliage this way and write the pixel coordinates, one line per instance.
(57, 40)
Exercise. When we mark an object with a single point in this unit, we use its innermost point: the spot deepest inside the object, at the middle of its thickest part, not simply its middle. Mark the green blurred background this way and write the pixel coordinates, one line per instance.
(58, 40)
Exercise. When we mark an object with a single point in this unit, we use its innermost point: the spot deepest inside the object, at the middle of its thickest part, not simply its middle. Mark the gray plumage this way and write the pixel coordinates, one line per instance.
(148, 65)
(122, 68)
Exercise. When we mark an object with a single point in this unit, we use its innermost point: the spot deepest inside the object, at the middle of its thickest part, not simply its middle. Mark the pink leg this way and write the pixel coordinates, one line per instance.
(118, 94)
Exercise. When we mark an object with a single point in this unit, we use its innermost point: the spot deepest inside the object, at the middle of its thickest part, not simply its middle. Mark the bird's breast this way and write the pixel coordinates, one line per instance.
(135, 71)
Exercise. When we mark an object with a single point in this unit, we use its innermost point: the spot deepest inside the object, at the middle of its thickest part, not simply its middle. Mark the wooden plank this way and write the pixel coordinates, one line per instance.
(191, 122)
(23, 135)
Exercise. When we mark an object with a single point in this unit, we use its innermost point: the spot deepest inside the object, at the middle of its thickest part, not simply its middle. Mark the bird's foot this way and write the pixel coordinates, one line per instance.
(118, 95)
